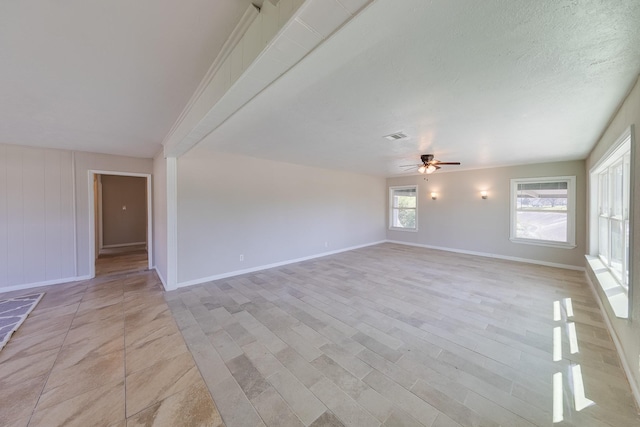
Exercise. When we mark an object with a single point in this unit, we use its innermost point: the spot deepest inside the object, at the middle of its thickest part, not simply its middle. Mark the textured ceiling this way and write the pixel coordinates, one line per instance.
(104, 76)
(486, 83)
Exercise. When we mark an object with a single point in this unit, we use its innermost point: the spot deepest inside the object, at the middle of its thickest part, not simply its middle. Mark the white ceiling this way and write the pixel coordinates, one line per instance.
(106, 76)
(485, 83)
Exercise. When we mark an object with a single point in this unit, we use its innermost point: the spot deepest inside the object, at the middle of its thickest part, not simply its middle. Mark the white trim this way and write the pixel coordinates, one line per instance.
(93, 219)
(229, 45)
(164, 282)
(124, 245)
(99, 210)
(490, 255)
(74, 204)
(172, 223)
(616, 341)
(571, 212)
(626, 141)
(44, 283)
(391, 207)
(273, 265)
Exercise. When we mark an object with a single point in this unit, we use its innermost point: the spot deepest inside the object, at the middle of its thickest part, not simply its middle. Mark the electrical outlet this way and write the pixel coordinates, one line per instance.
(241, 257)
(326, 244)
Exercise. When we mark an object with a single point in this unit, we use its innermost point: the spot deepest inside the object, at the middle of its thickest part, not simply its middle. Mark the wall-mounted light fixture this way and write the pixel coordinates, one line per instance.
(434, 196)
(483, 194)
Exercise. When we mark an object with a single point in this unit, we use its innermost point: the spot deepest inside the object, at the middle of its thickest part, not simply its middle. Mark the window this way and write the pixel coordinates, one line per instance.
(543, 211)
(610, 187)
(404, 208)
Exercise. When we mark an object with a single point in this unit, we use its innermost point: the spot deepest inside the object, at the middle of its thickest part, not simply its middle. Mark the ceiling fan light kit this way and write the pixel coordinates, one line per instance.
(429, 164)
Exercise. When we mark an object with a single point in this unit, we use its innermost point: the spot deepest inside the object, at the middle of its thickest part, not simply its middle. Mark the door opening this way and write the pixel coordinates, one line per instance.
(121, 226)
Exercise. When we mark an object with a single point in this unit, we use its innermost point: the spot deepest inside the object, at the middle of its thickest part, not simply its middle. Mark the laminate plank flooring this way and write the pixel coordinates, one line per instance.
(396, 336)
(102, 352)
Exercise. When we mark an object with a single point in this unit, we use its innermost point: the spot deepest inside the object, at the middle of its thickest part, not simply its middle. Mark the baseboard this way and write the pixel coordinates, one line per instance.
(490, 255)
(44, 283)
(616, 341)
(273, 265)
(164, 283)
(123, 245)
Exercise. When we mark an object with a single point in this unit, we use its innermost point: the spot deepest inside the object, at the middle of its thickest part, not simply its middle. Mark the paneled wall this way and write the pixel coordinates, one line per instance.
(45, 230)
(36, 216)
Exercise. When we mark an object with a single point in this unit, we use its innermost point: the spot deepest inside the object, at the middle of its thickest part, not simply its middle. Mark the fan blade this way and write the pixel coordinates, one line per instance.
(413, 166)
(447, 163)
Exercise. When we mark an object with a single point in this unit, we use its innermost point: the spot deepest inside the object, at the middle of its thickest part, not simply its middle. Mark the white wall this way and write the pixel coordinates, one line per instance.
(160, 216)
(44, 215)
(36, 216)
(268, 211)
(627, 331)
(461, 220)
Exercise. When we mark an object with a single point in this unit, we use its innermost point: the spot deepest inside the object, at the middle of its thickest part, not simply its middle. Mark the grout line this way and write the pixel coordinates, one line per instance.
(57, 355)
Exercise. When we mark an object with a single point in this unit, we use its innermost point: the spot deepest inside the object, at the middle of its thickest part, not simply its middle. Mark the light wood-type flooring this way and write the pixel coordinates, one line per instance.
(402, 336)
(385, 335)
(103, 352)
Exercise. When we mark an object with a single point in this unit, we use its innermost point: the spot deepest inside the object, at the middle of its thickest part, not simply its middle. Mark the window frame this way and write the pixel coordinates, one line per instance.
(570, 243)
(392, 207)
(620, 153)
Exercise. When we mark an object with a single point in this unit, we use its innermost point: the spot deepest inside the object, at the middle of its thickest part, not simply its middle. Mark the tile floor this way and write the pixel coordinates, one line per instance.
(386, 335)
(400, 336)
(104, 352)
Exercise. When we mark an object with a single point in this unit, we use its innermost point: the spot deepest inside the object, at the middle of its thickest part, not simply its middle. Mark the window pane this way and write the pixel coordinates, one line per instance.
(603, 239)
(404, 218)
(603, 201)
(618, 188)
(617, 247)
(542, 225)
(405, 198)
(625, 278)
(543, 196)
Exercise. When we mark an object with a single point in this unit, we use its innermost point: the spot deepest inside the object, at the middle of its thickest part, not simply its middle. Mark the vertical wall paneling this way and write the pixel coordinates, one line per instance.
(53, 218)
(4, 221)
(15, 217)
(33, 186)
(36, 216)
(67, 244)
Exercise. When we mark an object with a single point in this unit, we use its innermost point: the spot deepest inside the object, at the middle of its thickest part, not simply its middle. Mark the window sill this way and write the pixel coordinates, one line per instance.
(547, 244)
(616, 294)
(411, 230)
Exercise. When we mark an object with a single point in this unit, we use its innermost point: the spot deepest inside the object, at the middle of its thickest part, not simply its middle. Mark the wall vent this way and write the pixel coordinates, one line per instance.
(396, 136)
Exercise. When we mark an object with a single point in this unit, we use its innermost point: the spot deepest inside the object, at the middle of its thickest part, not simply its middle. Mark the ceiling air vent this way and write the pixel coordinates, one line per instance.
(396, 136)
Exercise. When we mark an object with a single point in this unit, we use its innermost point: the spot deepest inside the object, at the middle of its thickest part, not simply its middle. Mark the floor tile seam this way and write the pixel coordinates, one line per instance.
(505, 408)
(55, 360)
(199, 369)
(281, 397)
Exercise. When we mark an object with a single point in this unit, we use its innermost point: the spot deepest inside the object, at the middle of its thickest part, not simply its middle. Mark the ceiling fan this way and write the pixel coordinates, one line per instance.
(429, 164)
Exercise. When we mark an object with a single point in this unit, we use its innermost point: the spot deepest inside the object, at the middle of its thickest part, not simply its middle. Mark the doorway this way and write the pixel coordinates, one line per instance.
(121, 226)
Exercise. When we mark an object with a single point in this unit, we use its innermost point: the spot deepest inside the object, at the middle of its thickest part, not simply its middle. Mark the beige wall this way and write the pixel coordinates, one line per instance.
(160, 216)
(270, 212)
(36, 216)
(627, 331)
(44, 212)
(124, 210)
(461, 220)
